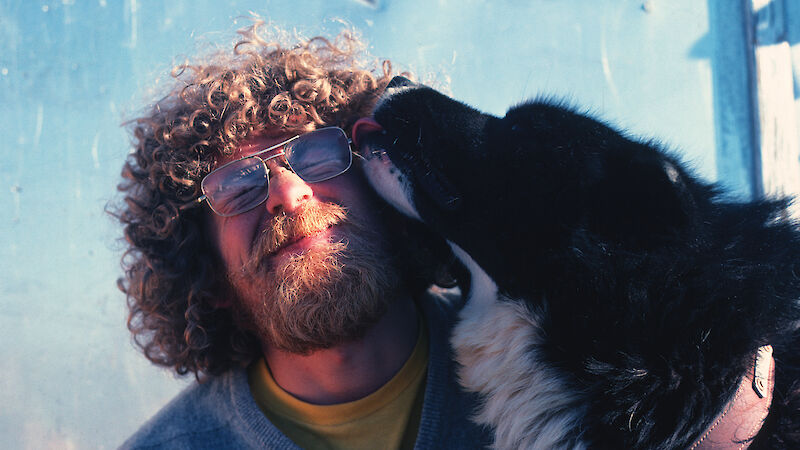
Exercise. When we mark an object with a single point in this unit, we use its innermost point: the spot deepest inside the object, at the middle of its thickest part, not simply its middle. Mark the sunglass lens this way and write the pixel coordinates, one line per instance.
(237, 187)
(319, 155)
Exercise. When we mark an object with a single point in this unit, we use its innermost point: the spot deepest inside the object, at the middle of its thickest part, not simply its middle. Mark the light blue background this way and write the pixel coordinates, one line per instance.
(72, 71)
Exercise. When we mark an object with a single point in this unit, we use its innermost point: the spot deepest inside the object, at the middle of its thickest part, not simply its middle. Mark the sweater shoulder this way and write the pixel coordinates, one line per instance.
(186, 421)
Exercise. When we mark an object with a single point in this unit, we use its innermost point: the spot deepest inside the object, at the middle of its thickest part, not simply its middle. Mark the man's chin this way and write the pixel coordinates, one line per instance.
(329, 341)
(310, 327)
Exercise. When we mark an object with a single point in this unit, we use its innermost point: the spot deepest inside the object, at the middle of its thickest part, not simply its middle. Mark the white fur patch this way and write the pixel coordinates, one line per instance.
(496, 343)
(672, 172)
(390, 183)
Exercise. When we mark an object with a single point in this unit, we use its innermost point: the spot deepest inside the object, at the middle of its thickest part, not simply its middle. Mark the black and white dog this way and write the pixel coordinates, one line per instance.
(614, 300)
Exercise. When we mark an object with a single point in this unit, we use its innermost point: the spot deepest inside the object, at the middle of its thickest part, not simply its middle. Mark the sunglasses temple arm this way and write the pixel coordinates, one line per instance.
(193, 203)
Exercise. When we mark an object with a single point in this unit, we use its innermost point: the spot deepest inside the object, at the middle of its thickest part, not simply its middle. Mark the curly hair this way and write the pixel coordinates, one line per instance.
(170, 274)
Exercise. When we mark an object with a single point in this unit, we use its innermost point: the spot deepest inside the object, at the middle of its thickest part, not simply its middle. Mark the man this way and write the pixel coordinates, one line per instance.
(261, 262)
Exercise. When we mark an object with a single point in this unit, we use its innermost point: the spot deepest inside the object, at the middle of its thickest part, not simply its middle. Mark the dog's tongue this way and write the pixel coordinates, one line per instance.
(362, 127)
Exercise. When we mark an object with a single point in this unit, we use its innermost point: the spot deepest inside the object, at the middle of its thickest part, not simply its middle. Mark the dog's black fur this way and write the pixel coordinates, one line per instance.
(653, 293)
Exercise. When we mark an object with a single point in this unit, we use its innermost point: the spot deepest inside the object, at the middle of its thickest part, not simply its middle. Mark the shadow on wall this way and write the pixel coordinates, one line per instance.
(726, 47)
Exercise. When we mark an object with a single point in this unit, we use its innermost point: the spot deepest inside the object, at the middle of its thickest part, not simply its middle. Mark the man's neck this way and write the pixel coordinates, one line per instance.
(352, 370)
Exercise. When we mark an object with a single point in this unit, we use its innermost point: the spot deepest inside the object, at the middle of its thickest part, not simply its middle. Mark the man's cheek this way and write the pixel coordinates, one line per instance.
(233, 236)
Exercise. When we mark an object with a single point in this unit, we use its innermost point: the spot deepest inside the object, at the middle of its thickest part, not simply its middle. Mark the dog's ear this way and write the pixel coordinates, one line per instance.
(643, 200)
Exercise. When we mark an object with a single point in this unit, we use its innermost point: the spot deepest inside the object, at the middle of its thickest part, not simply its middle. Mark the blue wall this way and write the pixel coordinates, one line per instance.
(71, 72)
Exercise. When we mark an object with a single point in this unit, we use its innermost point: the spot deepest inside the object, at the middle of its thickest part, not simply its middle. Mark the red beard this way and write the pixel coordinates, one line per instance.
(328, 290)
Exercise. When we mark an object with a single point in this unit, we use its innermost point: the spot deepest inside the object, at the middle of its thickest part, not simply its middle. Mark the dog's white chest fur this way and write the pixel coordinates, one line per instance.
(524, 400)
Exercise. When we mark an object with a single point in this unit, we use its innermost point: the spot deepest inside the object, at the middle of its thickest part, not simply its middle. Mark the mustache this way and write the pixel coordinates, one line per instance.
(284, 229)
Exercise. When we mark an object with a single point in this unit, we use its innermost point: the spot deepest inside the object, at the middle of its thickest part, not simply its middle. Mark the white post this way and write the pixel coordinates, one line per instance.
(777, 160)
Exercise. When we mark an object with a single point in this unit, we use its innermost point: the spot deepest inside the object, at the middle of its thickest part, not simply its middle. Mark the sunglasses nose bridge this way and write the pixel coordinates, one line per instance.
(276, 162)
(272, 154)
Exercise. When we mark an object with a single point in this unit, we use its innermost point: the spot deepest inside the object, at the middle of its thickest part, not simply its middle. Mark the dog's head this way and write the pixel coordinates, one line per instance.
(410, 161)
(525, 186)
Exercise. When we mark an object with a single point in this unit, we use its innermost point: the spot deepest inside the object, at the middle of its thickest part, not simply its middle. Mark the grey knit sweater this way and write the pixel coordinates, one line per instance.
(221, 413)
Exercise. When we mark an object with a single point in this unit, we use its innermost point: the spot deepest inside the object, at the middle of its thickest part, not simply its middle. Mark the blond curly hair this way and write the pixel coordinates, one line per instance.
(170, 274)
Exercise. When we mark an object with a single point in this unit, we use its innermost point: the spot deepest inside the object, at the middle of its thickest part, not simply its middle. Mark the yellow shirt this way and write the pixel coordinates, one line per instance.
(386, 419)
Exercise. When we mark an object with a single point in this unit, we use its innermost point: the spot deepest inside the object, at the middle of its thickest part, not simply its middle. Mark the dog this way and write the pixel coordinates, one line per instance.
(614, 299)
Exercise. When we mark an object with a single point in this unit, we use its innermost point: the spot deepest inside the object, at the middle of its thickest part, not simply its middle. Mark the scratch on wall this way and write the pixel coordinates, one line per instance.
(78, 186)
(133, 23)
(95, 158)
(37, 133)
(606, 67)
(15, 190)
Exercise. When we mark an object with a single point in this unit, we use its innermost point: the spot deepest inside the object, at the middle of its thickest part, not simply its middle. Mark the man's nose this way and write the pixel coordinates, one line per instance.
(287, 191)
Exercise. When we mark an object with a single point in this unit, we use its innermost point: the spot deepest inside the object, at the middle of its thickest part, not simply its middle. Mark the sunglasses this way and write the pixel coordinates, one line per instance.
(241, 185)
